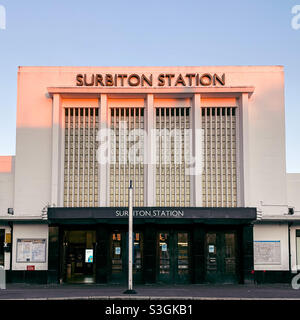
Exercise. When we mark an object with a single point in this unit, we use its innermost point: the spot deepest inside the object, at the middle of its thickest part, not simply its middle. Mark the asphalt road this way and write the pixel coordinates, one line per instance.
(156, 292)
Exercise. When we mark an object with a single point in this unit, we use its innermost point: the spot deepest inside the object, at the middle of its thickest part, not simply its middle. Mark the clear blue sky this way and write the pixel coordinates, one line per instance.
(147, 33)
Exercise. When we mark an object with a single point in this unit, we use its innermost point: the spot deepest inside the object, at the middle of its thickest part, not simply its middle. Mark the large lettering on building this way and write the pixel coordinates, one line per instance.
(143, 80)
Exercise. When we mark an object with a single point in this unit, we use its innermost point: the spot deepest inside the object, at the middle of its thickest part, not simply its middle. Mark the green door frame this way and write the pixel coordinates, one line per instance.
(218, 268)
(171, 249)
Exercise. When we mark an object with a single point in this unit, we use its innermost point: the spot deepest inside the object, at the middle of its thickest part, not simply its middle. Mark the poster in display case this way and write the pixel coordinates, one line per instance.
(267, 252)
(31, 250)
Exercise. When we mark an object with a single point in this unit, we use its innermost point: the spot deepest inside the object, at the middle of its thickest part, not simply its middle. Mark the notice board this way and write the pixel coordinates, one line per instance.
(31, 250)
(267, 252)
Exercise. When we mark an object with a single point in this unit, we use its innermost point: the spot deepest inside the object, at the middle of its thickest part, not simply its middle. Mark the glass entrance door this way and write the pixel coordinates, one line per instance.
(221, 257)
(164, 252)
(137, 256)
(119, 256)
(182, 257)
(173, 257)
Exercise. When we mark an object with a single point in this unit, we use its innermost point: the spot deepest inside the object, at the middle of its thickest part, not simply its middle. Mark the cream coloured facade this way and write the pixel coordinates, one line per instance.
(234, 114)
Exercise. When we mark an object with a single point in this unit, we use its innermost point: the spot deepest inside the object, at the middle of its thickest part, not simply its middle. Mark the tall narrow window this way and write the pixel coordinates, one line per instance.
(127, 164)
(172, 152)
(219, 182)
(80, 165)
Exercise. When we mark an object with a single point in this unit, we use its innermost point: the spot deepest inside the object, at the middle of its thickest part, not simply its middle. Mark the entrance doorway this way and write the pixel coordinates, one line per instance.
(79, 256)
(119, 256)
(173, 257)
(221, 256)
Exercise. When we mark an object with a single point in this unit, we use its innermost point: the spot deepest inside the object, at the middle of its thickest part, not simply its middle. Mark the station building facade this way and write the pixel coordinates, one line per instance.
(204, 148)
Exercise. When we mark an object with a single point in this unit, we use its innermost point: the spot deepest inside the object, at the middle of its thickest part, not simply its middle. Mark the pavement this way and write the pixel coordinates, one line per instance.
(150, 292)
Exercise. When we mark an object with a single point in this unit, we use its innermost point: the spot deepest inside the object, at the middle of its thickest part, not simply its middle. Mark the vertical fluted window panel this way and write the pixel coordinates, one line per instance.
(219, 180)
(172, 151)
(123, 168)
(80, 161)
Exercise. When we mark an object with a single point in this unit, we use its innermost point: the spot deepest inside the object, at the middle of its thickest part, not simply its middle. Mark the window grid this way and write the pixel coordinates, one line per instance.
(172, 178)
(220, 167)
(80, 164)
(123, 121)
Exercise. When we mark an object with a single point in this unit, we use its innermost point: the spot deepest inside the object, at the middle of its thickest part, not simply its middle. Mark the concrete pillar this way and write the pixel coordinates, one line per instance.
(196, 125)
(150, 159)
(102, 254)
(150, 257)
(54, 260)
(103, 168)
(247, 258)
(198, 254)
(56, 109)
(244, 151)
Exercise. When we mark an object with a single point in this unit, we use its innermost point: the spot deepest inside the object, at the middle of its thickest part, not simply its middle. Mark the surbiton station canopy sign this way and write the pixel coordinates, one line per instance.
(103, 214)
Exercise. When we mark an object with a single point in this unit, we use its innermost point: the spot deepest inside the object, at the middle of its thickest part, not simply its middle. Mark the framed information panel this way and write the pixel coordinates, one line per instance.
(267, 252)
(31, 250)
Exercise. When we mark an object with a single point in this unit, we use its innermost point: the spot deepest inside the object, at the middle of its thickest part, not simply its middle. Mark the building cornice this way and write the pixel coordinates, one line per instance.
(94, 92)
